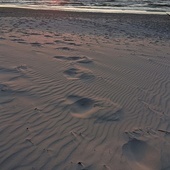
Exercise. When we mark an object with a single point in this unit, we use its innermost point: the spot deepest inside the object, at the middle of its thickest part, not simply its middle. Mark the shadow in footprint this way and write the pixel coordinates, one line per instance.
(79, 73)
(2, 38)
(101, 111)
(36, 44)
(78, 59)
(74, 44)
(4, 88)
(141, 155)
(65, 48)
(21, 67)
(83, 108)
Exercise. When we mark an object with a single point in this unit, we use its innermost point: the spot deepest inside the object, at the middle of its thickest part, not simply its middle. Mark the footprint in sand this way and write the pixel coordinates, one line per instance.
(83, 108)
(2, 38)
(49, 43)
(78, 59)
(74, 44)
(78, 73)
(36, 44)
(19, 40)
(141, 133)
(21, 67)
(4, 88)
(101, 111)
(65, 49)
(141, 155)
(48, 36)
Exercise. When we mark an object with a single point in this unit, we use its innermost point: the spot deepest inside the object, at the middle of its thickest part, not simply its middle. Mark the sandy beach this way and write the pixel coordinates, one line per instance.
(84, 91)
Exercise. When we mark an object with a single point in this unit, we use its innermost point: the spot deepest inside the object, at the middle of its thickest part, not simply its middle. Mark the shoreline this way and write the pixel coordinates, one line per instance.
(19, 11)
(85, 10)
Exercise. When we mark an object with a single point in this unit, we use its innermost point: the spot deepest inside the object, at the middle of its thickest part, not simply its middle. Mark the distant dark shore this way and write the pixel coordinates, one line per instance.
(12, 11)
(130, 25)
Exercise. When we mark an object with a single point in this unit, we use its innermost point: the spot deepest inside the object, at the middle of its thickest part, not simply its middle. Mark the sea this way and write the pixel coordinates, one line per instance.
(151, 6)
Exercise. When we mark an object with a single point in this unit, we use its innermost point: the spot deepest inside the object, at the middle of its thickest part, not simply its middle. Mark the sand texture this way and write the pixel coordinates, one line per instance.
(84, 91)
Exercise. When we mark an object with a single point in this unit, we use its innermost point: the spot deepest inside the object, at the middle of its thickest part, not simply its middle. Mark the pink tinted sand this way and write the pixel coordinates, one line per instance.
(84, 91)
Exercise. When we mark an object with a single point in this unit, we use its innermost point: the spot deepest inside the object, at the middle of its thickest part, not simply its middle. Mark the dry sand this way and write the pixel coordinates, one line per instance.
(84, 91)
